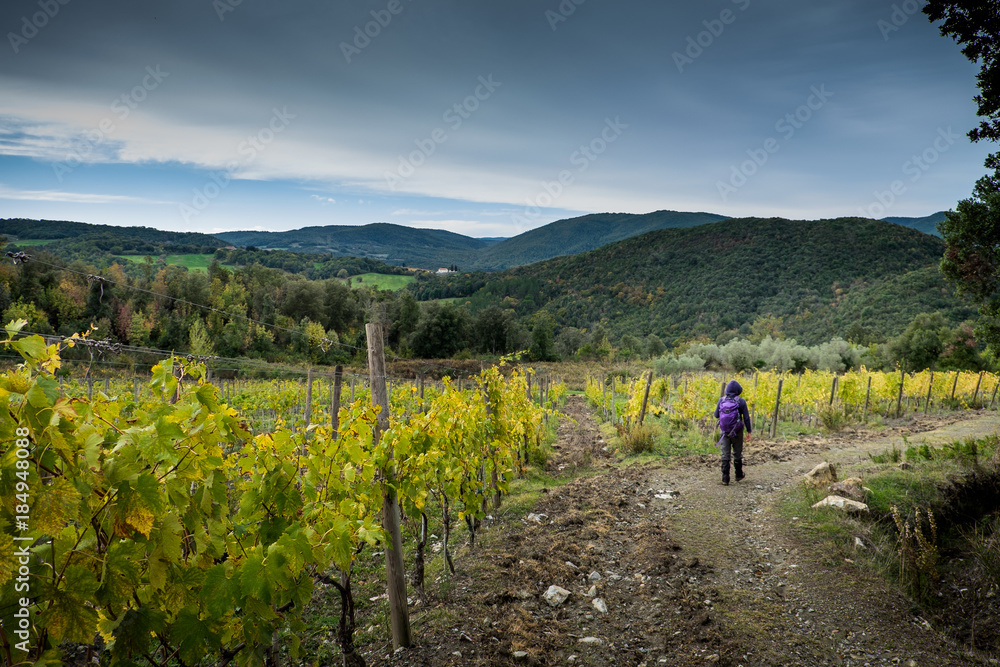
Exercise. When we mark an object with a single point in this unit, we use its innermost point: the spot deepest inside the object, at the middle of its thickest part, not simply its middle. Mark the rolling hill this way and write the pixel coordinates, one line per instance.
(576, 235)
(818, 278)
(927, 224)
(426, 248)
(394, 244)
(22, 228)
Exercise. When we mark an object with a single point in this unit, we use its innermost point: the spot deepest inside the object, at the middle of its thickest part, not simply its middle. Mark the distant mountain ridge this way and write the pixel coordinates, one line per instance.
(393, 244)
(400, 245)
(927, 224)
(25, 228)
(814, 279)
(425, 248)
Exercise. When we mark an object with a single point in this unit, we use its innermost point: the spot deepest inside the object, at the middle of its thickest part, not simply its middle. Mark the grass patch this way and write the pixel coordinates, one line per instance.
(392, 283)
(196, 263)
(916, 533)
(30, 243)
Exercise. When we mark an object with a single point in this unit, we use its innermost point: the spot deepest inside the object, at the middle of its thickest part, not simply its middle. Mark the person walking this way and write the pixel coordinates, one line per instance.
(733, 416)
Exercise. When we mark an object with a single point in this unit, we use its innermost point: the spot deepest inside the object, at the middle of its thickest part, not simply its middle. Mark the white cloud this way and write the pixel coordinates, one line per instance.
(73, 197)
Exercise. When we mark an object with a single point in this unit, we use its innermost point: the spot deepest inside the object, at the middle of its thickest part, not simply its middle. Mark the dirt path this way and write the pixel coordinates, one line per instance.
(690, 572)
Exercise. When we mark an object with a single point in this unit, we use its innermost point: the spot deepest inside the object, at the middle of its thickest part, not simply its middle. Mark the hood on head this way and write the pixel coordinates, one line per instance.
(733, 388)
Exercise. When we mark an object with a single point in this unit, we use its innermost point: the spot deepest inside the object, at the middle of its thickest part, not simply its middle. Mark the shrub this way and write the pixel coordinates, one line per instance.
(638, 439)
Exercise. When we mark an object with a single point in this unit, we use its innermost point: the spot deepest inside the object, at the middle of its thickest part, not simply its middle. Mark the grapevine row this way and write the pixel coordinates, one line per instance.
(804, 396)
(170, 528)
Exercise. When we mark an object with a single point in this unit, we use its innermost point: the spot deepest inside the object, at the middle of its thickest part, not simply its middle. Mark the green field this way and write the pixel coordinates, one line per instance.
(25, 243)
(382, 281)
(192, 262)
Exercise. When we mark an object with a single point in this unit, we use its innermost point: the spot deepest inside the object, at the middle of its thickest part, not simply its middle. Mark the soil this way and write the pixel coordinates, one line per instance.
(691, 572)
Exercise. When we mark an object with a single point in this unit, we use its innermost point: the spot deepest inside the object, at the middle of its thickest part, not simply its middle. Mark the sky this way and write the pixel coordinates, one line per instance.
(486, 118)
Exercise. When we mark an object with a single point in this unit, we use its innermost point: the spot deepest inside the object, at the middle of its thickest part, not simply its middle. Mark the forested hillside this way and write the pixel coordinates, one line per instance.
(811, 280)
(394, 244)
(576, 235)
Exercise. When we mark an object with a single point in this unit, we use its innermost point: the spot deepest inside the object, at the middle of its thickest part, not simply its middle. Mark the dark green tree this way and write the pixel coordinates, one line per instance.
(495, 331)
(972, 259)
(443, 331)
(542, 338)
(655, 347)
(922, 343)
(404, 316)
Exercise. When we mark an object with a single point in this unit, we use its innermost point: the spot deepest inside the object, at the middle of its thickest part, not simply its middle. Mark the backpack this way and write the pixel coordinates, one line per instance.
(730, 421)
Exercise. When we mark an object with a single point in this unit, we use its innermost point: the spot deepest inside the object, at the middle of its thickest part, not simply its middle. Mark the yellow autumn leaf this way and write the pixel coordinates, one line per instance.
(141, 519)
(7, 562)
(56, 506)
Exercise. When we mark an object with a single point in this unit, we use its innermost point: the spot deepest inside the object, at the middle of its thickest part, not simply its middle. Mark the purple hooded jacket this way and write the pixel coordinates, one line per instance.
(734, 389)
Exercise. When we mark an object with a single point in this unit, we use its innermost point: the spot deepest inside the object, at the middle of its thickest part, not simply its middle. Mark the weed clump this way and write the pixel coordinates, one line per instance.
(833, 419)
(638, 439)
(918, 552)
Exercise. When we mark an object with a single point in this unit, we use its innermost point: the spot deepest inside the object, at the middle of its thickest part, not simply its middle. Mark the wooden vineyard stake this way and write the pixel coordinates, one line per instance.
(978, 384)
(309, 397)
(930, 388)
(338, 379)
(645, 398)
(777, 404)
(899, 399)
(395, 574)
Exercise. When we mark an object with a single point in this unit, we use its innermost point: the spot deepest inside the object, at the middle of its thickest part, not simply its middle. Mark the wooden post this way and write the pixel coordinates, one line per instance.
(930, 388)
(833, 389)
(899, 399)
(978, 384)
(645, 398)
(612, 400)
(338, 378)
(309, 396)
(399, 615)
(135, 389)
(994, 397)
(777, 404)
(954, 386)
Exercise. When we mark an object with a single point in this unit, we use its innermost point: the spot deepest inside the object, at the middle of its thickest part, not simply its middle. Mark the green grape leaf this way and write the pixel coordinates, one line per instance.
(133, 634)
(193, 637)
(69, 618)
(218, 591)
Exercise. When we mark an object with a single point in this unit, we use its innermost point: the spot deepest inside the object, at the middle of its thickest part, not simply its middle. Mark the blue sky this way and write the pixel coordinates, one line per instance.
(485, 118)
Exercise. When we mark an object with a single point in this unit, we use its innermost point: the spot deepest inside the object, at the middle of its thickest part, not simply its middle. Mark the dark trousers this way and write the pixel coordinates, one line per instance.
(732, 447)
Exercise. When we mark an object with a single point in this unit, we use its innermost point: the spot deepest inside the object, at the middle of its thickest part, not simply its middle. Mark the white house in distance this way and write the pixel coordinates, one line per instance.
(443, 271)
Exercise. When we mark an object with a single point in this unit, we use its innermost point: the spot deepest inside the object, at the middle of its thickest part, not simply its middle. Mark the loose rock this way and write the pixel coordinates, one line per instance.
(841, 503)
(821, 475)
(556, 595)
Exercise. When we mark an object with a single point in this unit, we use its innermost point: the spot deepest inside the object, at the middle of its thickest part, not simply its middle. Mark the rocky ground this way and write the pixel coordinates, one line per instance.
(664, 565)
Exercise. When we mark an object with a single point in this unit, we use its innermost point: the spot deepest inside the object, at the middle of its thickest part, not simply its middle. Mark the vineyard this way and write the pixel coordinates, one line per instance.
(187, 524)
(812, 397)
